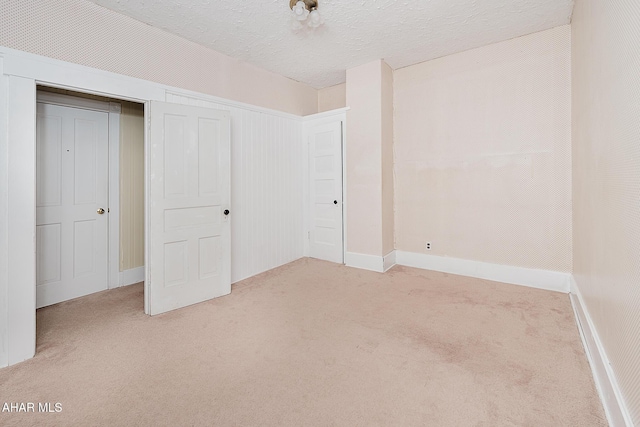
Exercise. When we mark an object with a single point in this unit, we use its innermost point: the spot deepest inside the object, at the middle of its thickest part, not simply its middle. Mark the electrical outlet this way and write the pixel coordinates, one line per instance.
(428, 246)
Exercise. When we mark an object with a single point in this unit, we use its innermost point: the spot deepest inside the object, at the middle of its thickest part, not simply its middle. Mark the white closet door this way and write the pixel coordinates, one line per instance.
(326, 227)
(72, 190)
(189, 218)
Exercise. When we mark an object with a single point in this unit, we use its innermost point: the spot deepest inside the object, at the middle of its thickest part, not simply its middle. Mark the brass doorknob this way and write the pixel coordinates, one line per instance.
(101, 211)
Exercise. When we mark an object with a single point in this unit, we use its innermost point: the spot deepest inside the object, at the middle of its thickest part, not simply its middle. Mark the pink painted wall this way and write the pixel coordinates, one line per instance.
(364, 150)
(81, 32)
(606, 180)
(332, 97)
(369, 94)
(483, 153)
(388, 226)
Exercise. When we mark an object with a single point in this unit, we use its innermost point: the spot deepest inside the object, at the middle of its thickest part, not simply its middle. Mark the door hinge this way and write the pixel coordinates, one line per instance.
(309, 235)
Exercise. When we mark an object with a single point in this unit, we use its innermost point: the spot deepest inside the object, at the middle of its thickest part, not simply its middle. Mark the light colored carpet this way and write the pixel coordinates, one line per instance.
(313, 344)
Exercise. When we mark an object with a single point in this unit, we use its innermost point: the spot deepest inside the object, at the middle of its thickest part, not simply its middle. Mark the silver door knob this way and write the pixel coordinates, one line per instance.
(101, 211)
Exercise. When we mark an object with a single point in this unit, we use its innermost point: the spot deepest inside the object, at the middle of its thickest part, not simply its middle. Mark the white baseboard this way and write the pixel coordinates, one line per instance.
(132, 276)
(365, 262)
(389, 260)
(541, 279)
(606, 383)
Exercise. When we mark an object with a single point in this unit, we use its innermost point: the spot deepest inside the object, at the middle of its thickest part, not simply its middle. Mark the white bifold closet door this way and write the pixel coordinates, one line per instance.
(189, 257)
(71, 202)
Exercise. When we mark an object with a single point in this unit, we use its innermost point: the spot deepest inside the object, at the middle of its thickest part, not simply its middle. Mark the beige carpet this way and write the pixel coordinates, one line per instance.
(313, 344)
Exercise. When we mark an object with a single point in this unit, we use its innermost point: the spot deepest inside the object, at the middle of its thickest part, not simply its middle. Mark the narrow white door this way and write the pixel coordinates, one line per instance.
(325, 153)
(189, 218)
(71, 202)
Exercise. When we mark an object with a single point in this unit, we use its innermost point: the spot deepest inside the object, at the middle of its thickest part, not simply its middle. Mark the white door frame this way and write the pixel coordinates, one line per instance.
(20, 73)
(314, 120)
(113, 109)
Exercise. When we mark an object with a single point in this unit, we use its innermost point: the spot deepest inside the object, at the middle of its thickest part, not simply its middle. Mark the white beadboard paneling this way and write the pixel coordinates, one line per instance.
(266, 188)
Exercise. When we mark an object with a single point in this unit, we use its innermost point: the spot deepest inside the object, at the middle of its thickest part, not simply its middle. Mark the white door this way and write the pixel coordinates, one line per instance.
(325, 153)
(71, 191)
(189, 225)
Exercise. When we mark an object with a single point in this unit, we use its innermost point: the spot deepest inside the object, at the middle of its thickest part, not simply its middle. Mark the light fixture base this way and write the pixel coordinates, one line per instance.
(310, 4)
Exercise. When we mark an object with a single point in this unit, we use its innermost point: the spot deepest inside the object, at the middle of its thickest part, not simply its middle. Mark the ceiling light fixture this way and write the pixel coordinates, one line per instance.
(305, 10)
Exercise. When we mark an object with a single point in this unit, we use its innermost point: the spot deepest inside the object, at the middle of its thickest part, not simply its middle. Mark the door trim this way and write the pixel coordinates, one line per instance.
(113, 109)
(114, 195)
(20, 72)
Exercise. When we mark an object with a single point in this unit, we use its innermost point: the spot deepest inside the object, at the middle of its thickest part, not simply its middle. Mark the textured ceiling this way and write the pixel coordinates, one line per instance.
(355, 31)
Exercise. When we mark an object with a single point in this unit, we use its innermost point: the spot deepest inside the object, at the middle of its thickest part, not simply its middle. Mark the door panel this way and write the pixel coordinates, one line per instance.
(72, 184)
(84, 177)
(84, 240)
(190, 245)
(49, 160)
(49, 261)
(325, 154)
